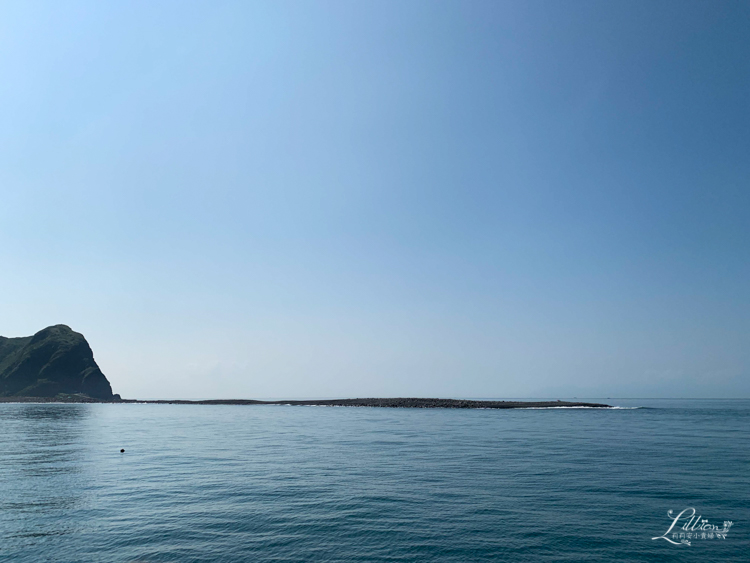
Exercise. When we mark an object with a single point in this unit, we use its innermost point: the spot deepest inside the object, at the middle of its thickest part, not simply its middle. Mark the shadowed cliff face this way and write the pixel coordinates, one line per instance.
(54, 360)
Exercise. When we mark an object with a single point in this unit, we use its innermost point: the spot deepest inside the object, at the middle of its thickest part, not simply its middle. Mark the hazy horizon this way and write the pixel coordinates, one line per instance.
(331, 199)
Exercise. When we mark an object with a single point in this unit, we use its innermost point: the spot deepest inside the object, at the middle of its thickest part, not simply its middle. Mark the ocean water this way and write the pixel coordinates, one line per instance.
(279, 483)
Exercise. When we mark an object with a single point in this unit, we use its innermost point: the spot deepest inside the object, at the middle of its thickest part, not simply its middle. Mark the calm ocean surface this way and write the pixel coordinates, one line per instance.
(277, 483)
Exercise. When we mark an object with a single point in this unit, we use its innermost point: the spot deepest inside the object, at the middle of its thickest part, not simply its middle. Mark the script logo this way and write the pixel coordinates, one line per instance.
(693, 528)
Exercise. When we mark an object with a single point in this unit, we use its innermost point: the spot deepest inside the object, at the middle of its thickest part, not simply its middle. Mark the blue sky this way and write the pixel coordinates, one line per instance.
(308, 199)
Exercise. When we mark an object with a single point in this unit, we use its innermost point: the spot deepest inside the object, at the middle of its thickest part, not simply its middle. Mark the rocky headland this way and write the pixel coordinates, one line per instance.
(55, 364)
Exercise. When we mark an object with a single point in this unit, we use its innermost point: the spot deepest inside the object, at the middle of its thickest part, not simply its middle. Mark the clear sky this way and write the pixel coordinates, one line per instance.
(331, 199)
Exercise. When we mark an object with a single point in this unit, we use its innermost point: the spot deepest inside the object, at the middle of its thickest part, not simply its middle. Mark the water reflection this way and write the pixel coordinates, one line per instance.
(45, 438)
(56, 411)
(42, 456)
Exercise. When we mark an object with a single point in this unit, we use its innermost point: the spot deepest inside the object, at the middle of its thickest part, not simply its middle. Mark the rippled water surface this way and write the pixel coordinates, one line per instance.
(275, 483)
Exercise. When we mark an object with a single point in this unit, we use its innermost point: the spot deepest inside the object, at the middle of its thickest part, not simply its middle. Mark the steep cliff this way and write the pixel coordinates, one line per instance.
(53, 361)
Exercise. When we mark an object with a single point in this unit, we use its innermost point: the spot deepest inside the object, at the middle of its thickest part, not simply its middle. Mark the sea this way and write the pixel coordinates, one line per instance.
(227, 483)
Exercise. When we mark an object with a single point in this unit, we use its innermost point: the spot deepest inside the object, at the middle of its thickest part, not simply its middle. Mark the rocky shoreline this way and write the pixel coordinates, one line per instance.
(408, 403)
(56, 365)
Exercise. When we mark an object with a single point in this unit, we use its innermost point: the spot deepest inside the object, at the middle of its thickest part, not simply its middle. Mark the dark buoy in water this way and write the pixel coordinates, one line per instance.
(122, 451)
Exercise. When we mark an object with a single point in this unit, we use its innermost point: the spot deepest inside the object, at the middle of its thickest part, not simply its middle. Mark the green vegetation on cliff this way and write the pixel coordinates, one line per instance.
(53, 361)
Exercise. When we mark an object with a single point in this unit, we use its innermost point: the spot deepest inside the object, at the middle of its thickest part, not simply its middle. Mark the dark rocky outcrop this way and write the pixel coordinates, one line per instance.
(54, 362)
(404, 403)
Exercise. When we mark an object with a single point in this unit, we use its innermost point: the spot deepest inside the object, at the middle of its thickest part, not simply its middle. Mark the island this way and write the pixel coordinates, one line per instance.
(403, 403)
(56, 365)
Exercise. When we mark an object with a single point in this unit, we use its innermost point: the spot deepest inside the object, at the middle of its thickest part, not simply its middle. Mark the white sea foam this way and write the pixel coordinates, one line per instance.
(582, 407)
